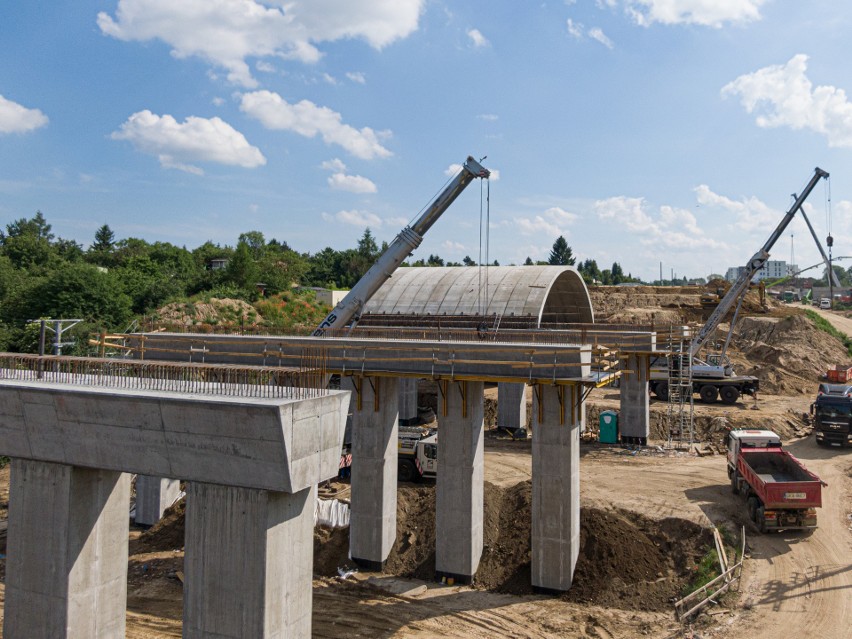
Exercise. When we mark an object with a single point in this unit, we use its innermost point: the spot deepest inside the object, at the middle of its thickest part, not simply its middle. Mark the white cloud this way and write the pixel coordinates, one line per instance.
(750, 213)
(708, 13)
(329, 79)
(477, 39)
(340, 181)
(217, 101)
(355, 218)
(782, 95)
(553, 222)
(454, 247)
(15, 118)
(488, 117)
(578, 31)
(334, 165)
(351, 183)
(264, 67)
(308, 119)
(196, 139)
(226, 33)
(357, 77)
(597, 34)
(575, 29)
(670, 228)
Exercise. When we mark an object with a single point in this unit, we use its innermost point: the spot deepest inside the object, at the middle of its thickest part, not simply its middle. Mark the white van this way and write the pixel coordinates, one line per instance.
(825, 303)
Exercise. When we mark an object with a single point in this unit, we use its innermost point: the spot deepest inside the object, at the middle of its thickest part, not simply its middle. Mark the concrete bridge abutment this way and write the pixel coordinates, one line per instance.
(249, 562)
(66, 556)
(372, 523)
(558, 416)
(511, 405)
(460, 483)
(153, 496)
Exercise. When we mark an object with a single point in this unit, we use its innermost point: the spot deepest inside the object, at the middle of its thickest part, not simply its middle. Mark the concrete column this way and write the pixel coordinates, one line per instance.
(511, 405)
(459, 498)
(153, 496)
(557, 420)
(248, 564)
(66, 555)
(408, 400)
(372, 522)
(634, 416)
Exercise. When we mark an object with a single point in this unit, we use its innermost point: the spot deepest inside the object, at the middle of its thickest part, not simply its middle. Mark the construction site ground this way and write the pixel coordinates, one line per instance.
(645, 523)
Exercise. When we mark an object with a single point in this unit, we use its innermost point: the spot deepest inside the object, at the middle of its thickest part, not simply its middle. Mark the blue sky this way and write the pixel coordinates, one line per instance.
(644, 131)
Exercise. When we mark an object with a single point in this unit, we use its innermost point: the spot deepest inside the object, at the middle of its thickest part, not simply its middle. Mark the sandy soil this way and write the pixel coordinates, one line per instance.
(794, 584)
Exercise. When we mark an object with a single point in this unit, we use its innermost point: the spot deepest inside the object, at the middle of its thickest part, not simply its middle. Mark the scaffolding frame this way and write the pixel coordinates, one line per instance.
(681, 408)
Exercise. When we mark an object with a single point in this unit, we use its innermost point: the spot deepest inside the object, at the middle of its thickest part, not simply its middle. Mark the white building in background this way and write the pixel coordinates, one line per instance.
(772, 270)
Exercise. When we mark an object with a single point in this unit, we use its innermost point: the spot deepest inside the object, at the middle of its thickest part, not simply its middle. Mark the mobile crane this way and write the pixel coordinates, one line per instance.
(350, 307)
(715, 376)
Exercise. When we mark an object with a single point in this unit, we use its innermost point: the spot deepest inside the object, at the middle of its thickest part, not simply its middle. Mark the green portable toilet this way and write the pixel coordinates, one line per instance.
(608, 431)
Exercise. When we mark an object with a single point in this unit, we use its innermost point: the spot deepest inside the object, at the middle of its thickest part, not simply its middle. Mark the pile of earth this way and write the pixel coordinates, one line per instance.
(665, 305)
(625, 561)
(214, 312)
(788, 355)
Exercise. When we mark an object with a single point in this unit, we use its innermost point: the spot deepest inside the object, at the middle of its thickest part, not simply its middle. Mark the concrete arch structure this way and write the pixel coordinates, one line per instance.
(550, 294)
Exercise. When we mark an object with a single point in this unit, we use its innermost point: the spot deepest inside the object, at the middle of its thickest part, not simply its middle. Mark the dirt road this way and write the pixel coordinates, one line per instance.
(842, 324)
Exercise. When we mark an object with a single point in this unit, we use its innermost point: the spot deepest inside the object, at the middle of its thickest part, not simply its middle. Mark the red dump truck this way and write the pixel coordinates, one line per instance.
(780, 493)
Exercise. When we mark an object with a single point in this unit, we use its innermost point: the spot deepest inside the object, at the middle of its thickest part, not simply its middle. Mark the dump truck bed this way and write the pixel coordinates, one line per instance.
(779, 479)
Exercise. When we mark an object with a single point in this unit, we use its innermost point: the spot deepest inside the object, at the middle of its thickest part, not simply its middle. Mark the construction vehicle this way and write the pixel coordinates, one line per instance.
(417, 449)
(348, 310)
(832, 415)
(714, 376)
(418, 454)
(780, 493)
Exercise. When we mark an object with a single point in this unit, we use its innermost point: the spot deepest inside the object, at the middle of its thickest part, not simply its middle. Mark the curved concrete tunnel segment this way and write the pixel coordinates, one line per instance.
(552, 294)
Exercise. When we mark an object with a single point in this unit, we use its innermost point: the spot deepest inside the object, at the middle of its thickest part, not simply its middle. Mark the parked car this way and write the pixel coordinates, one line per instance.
(825, 303)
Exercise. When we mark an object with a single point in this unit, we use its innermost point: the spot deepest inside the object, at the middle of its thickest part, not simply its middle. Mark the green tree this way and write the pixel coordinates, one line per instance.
(367, 246)
(104, 240)
(528, 261)
(561, 253)
(27, 242)
(467, 261)
(242, 270)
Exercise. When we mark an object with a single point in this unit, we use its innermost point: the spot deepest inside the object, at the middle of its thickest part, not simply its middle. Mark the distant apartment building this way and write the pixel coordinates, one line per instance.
(772, 270)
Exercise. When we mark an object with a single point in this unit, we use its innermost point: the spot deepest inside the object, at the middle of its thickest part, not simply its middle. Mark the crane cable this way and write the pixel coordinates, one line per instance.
(483, 304)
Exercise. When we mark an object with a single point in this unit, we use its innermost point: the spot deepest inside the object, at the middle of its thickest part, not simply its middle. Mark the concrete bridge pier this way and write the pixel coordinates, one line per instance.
(153, 496)
(634, 416)
(66, 556)
(459, 498)
(511, 405)
(407, 400)
(372, 522)
(249, 562)
(558, 415)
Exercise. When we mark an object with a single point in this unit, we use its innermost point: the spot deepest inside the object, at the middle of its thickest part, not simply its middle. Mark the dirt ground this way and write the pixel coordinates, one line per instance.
(645, 518)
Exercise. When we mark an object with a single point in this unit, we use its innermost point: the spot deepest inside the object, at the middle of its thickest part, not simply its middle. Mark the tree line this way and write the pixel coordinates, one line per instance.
(114, 281)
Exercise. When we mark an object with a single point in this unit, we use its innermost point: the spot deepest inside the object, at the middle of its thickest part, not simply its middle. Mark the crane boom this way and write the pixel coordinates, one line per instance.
(408, 239)
(757, 261)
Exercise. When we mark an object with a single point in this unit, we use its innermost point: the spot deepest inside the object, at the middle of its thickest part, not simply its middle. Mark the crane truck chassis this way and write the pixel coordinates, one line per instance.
(707, 384)
(780, 493)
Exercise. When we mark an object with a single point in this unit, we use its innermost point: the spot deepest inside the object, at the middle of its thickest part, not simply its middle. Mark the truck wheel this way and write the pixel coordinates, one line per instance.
(708, 393)
(751, 504)
(407, 471)
(662, 390)
(730, 394)
(735, 478)
(760, 520)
